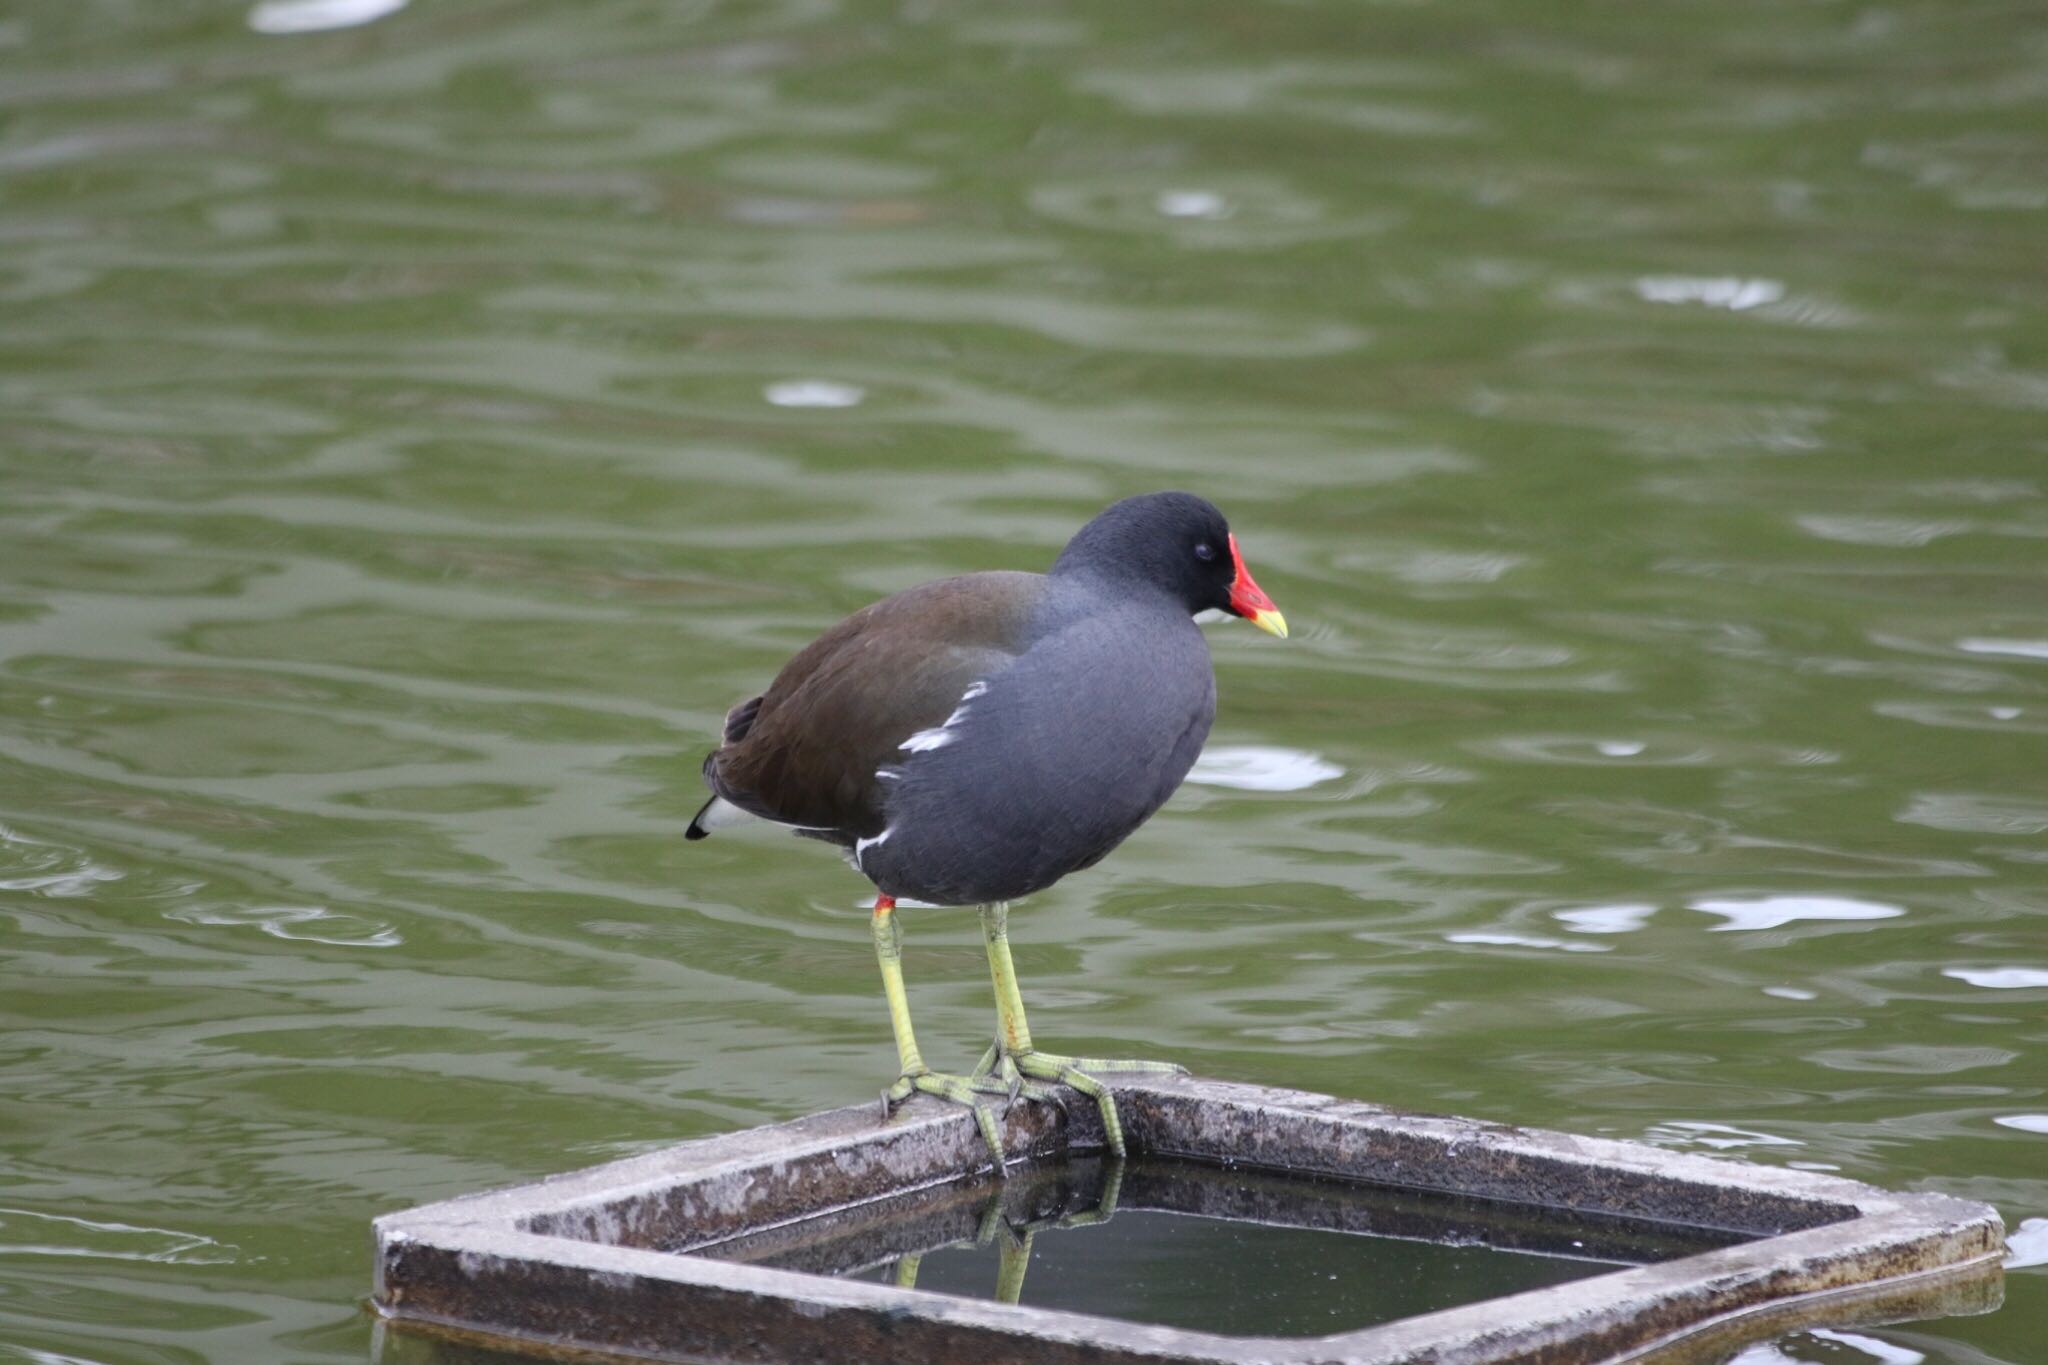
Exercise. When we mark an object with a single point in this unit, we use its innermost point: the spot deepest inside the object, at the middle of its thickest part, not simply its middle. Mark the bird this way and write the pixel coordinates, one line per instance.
(971, 741)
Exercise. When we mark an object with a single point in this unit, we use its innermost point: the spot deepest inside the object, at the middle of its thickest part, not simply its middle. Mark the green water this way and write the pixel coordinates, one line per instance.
(1640, 412)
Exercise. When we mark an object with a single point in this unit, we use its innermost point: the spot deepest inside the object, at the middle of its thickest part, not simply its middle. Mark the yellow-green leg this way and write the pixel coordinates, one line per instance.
(1016, 1064)
(915, 1077)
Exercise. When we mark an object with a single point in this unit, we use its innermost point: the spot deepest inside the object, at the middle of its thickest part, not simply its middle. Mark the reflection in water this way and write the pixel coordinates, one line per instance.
(1736, 295)
(2000, 978)
(2018, 649)
(1185, 1245)
(1832, 1347)
(1193, 204)
(1770, 912)
(1881, 1352)
(1262, 768)
(1719, 1137)
(2027, 1244)
(1606, 919)
(1526, 941)
(2026, 1123)
(317, 16)
(813, 393)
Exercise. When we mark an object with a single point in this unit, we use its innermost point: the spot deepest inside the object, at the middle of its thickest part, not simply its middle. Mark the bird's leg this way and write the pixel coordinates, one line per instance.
(1016, 1057)
(915, 1077)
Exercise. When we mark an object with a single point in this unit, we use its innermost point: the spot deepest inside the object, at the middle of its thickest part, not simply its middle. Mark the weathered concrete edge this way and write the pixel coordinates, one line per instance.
(1883, 1237)
(1620, 1316)
(495, 1258)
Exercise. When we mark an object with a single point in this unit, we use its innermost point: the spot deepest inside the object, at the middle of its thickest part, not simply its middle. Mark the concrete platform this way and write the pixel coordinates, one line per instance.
(613, 1260)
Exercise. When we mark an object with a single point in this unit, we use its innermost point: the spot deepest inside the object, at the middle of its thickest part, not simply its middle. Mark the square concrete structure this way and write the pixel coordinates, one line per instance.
(602, 1260)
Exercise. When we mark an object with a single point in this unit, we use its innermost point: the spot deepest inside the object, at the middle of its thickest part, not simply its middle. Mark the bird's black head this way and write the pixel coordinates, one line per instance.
(1176, 542)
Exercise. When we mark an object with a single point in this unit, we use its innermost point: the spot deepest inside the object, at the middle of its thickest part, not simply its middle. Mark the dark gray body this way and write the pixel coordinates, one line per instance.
(1074, 744)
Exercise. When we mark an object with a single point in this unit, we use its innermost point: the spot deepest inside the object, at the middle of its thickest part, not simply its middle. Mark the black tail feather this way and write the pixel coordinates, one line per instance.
(696, 829)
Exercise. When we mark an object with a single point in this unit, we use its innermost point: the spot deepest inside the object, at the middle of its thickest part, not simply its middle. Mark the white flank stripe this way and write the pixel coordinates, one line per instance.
(940, 737)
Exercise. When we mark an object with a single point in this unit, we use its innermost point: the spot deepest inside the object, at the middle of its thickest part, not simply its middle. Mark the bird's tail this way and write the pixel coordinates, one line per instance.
(717, 813)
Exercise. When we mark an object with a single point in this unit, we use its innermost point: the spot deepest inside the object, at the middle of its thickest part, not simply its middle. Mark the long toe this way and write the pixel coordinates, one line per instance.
(961, 1090)
(1074, 1073)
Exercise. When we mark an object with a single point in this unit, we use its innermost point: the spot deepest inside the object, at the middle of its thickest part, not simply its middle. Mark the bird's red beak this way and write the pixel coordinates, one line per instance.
(1249, 600)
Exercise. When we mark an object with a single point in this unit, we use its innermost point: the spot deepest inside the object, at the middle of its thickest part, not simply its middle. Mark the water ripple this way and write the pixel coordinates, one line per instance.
(24, 1232)
(301, 923)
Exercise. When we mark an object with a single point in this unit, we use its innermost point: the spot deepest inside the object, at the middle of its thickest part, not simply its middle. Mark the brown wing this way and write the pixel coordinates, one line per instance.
(808, 753)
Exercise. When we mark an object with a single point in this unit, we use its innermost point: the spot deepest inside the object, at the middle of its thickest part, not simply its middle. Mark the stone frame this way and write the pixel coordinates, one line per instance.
(574, 1261)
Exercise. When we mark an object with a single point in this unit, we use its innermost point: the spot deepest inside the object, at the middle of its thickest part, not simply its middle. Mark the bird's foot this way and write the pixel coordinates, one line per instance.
(1040, 1071)
(966, 1090)
(997, 1074)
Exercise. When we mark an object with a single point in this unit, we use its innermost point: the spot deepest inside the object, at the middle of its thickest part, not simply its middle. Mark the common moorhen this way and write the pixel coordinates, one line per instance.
(973, 740)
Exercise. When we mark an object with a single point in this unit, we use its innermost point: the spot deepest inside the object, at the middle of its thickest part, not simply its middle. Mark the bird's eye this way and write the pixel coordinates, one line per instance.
(1205, 552)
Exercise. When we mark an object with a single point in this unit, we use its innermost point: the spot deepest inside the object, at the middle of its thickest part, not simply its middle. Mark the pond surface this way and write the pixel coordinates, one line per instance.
(414, 434)
(1238, 1252)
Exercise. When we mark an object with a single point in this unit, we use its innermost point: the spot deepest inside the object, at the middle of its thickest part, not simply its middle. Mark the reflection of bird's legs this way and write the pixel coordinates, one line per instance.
(1013, 1249)
(916, 1077)
(1013, 1259)
(1013, 1244)
(1017, 1064)
(1105, 1207)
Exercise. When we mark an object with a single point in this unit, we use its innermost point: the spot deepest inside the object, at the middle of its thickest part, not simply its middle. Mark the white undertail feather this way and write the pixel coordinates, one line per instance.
(722, 814)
